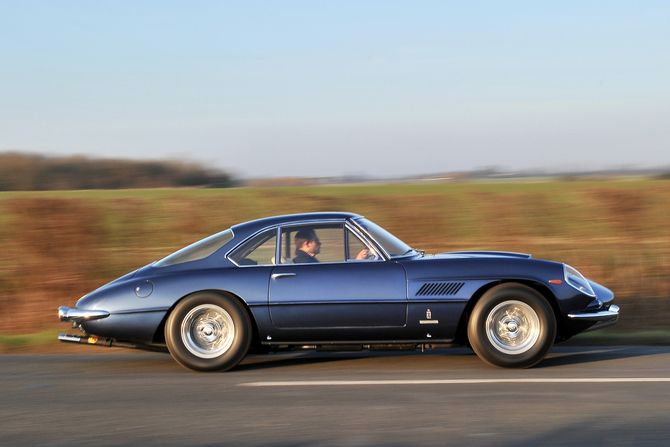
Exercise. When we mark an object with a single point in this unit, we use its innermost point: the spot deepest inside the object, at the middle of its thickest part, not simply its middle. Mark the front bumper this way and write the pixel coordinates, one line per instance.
(602, 318)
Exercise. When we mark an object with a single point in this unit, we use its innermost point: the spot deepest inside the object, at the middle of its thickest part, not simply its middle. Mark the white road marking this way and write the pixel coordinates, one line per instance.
(456, 381)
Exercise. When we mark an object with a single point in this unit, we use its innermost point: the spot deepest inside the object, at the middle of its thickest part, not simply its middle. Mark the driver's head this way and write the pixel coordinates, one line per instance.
(307, 241)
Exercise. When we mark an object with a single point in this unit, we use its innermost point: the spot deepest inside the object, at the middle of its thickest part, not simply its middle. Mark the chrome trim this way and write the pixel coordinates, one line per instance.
(512, 327)
(207, 331)
(370, 237)
(226, 256)
(142, 311)
(66, 314)
(366, 241)
(300, 303)
(68, 337)
(344, 222)
(349, 223)
(612, 312)
(278, 227)
(282, 275)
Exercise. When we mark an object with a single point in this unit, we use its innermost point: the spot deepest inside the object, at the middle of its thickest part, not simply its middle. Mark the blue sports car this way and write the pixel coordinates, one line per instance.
(337, 281)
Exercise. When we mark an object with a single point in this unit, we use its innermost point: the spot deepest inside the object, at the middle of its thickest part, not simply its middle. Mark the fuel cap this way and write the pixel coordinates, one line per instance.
(144, 289)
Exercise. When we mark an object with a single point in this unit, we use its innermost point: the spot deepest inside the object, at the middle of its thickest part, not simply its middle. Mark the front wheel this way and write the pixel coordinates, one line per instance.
(512, 326)
(208, 332)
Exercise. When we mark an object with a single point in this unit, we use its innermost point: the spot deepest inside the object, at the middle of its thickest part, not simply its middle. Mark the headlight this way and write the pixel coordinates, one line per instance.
(577, 280)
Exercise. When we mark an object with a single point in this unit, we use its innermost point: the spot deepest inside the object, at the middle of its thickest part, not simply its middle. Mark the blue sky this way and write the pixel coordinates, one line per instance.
(319, 88)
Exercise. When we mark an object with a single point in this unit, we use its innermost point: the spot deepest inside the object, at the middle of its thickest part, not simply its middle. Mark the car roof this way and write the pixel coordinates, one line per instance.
(245, 229)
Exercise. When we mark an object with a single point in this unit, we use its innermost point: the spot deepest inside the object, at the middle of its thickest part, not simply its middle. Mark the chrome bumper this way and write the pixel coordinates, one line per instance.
(603, 318)
(67, 314)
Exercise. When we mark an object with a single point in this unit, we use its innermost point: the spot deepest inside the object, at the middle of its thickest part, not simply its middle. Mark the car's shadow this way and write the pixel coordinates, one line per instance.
(269, 361)
(280, 363)
(559, 356)
(573, 356)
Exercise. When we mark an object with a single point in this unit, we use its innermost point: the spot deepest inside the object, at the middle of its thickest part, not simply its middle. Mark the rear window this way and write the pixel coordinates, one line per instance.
(198, 250)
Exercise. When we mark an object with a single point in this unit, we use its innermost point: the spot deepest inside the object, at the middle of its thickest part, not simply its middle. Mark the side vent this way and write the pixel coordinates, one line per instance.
(440, 288)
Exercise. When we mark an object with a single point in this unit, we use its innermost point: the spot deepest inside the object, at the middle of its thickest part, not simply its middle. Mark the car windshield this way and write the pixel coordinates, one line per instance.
(198, 250)
(393, 245)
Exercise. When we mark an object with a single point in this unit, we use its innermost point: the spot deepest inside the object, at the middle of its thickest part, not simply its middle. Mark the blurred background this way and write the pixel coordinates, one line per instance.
(129, 130)
(59, 245)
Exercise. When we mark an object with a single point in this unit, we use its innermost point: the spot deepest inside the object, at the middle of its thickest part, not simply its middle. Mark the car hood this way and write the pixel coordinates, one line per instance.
(480, 254)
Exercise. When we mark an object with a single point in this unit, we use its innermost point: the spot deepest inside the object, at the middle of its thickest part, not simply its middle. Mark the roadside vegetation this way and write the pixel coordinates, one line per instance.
(57, 246)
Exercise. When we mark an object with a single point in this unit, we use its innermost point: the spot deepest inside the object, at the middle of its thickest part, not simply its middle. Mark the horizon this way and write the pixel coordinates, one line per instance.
(30, 165)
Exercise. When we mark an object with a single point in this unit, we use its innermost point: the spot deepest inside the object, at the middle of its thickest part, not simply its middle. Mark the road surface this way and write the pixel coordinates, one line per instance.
(577, 396)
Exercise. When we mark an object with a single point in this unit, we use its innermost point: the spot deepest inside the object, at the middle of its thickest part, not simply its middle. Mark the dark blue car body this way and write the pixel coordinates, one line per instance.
(403, 300)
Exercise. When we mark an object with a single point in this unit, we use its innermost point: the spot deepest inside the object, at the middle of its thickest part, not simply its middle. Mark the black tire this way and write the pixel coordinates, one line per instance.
(208, 332)
(512, 326)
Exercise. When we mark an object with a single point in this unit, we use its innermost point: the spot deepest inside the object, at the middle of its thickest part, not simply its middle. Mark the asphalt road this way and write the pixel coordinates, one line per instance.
(441, 397)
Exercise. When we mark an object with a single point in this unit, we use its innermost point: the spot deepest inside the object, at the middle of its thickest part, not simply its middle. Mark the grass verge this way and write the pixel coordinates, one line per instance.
(46, 342)
(620, 338)
(23, 342)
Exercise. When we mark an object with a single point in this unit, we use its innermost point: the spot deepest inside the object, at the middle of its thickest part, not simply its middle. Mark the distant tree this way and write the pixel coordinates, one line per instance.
(24, 172)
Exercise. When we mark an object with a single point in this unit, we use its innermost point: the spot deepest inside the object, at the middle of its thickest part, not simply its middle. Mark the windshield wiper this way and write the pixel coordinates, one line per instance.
(422, 252)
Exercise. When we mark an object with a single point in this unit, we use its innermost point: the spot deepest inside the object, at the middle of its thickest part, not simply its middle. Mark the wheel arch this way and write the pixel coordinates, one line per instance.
(159, 335)
(462, 328)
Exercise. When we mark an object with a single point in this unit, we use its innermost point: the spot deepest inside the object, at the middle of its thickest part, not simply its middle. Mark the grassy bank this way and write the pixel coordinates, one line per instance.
(57, 246)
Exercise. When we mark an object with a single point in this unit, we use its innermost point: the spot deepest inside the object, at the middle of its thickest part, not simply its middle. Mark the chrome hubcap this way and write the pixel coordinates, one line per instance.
(207, 331)
(513, 327)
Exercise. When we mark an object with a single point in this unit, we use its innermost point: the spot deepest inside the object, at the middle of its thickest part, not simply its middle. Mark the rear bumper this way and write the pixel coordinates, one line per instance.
(601, 318)
(66, 314)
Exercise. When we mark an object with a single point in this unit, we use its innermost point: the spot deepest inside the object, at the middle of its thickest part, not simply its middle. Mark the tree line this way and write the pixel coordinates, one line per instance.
(26, 172)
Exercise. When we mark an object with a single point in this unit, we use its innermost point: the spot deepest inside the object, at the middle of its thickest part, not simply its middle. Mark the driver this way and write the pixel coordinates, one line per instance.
(308, 245)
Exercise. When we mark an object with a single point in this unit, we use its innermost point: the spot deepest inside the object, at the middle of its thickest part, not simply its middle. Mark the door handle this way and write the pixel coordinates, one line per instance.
(282, 275)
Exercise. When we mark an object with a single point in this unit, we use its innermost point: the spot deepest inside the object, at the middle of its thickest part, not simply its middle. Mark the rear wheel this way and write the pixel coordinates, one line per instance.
(208, 332)
(512, 326)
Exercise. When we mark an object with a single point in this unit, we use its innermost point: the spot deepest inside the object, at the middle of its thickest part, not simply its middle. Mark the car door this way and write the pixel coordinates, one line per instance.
(336, 291)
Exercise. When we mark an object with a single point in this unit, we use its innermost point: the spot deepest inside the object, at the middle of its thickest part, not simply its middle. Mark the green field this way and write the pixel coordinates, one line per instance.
(57, 246)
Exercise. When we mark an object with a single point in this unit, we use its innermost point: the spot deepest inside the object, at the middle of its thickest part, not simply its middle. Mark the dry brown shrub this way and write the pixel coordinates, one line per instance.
(55, 250)
(501, 216)
(56, 244)
(312, 203)
(624, 209)
(276, 201)
(541, 215)
(196, 218)
(418, 220)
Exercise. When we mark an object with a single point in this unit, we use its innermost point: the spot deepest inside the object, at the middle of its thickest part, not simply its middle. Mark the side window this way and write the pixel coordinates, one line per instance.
(312, 243)
(259, 250)
(357, 250)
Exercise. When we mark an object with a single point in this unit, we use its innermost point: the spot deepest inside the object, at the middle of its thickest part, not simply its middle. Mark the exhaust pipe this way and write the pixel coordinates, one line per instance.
(108, 342)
